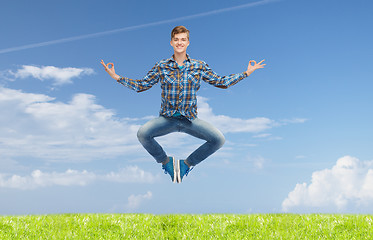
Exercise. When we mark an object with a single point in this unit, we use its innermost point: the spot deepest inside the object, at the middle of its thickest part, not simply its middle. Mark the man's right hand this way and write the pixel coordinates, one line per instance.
(110, 70)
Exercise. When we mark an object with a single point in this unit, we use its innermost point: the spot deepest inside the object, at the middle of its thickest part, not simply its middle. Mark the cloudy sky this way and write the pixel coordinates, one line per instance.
(298, 132)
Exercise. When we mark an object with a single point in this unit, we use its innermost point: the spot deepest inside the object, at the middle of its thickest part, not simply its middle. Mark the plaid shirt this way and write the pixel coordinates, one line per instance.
(180, 84)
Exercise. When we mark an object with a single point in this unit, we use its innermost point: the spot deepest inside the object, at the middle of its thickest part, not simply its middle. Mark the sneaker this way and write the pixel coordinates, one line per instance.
(182, 170)
(170, 168)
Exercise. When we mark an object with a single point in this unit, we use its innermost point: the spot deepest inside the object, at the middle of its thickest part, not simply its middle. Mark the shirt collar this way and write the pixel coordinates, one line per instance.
(171, 59)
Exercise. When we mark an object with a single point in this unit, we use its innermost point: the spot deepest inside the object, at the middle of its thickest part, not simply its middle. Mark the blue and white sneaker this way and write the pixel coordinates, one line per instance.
(182, 170)
(169, 168)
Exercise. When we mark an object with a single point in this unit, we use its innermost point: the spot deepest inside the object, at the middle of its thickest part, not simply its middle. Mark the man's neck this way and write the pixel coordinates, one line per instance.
(180, 58)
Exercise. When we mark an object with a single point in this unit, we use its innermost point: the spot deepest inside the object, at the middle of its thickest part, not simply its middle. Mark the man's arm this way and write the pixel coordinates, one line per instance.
(209, 76)
(137, 85)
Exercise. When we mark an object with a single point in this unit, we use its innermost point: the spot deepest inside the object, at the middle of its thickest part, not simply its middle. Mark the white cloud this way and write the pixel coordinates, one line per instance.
(59, 76)
(267, 136)
(37, 126)
(228, 124)
(8, 95)
(38, 179)
(134, 201)
(130, 174)
(347, 186)
(257, 161)
(263, 135)
(235, 125)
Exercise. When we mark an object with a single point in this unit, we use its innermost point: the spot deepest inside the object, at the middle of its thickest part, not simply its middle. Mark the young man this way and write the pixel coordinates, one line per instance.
(180, 78)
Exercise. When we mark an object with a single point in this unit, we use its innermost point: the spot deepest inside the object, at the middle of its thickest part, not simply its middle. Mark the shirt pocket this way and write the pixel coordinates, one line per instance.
(169, 78)
(194, 77)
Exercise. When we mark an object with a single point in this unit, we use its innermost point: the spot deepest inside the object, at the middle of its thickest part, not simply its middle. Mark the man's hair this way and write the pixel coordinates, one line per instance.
(179, 29)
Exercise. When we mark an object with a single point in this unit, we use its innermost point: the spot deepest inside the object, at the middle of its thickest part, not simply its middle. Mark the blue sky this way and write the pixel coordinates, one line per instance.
(298, 134)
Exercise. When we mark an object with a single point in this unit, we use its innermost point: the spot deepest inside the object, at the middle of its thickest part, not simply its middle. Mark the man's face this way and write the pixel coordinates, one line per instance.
(180, 42)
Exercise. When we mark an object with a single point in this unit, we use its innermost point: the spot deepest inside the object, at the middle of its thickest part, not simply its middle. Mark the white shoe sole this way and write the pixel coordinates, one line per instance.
(178, 178)
(175, 170)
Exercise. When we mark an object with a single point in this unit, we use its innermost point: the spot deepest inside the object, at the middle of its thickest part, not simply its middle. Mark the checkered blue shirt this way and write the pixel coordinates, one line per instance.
(180, 84)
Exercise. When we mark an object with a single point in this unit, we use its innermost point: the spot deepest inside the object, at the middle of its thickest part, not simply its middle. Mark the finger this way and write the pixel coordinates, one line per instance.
(110, 64)
(261, 61)
(103, 64)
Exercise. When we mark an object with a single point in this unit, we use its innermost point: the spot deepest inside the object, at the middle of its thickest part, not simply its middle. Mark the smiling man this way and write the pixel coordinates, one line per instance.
(180, 78)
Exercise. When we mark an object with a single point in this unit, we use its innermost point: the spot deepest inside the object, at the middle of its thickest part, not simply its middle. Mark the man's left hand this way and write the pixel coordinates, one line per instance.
(251, 68)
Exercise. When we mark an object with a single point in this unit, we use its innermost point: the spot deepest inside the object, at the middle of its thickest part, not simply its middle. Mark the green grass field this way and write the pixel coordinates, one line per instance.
(186, 226)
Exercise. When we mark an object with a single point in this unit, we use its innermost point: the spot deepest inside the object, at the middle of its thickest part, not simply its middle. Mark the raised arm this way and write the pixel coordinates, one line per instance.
(209, 76)
(137, 85)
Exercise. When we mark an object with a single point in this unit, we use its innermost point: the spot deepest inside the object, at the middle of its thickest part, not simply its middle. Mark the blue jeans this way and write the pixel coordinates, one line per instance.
(198, 128)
